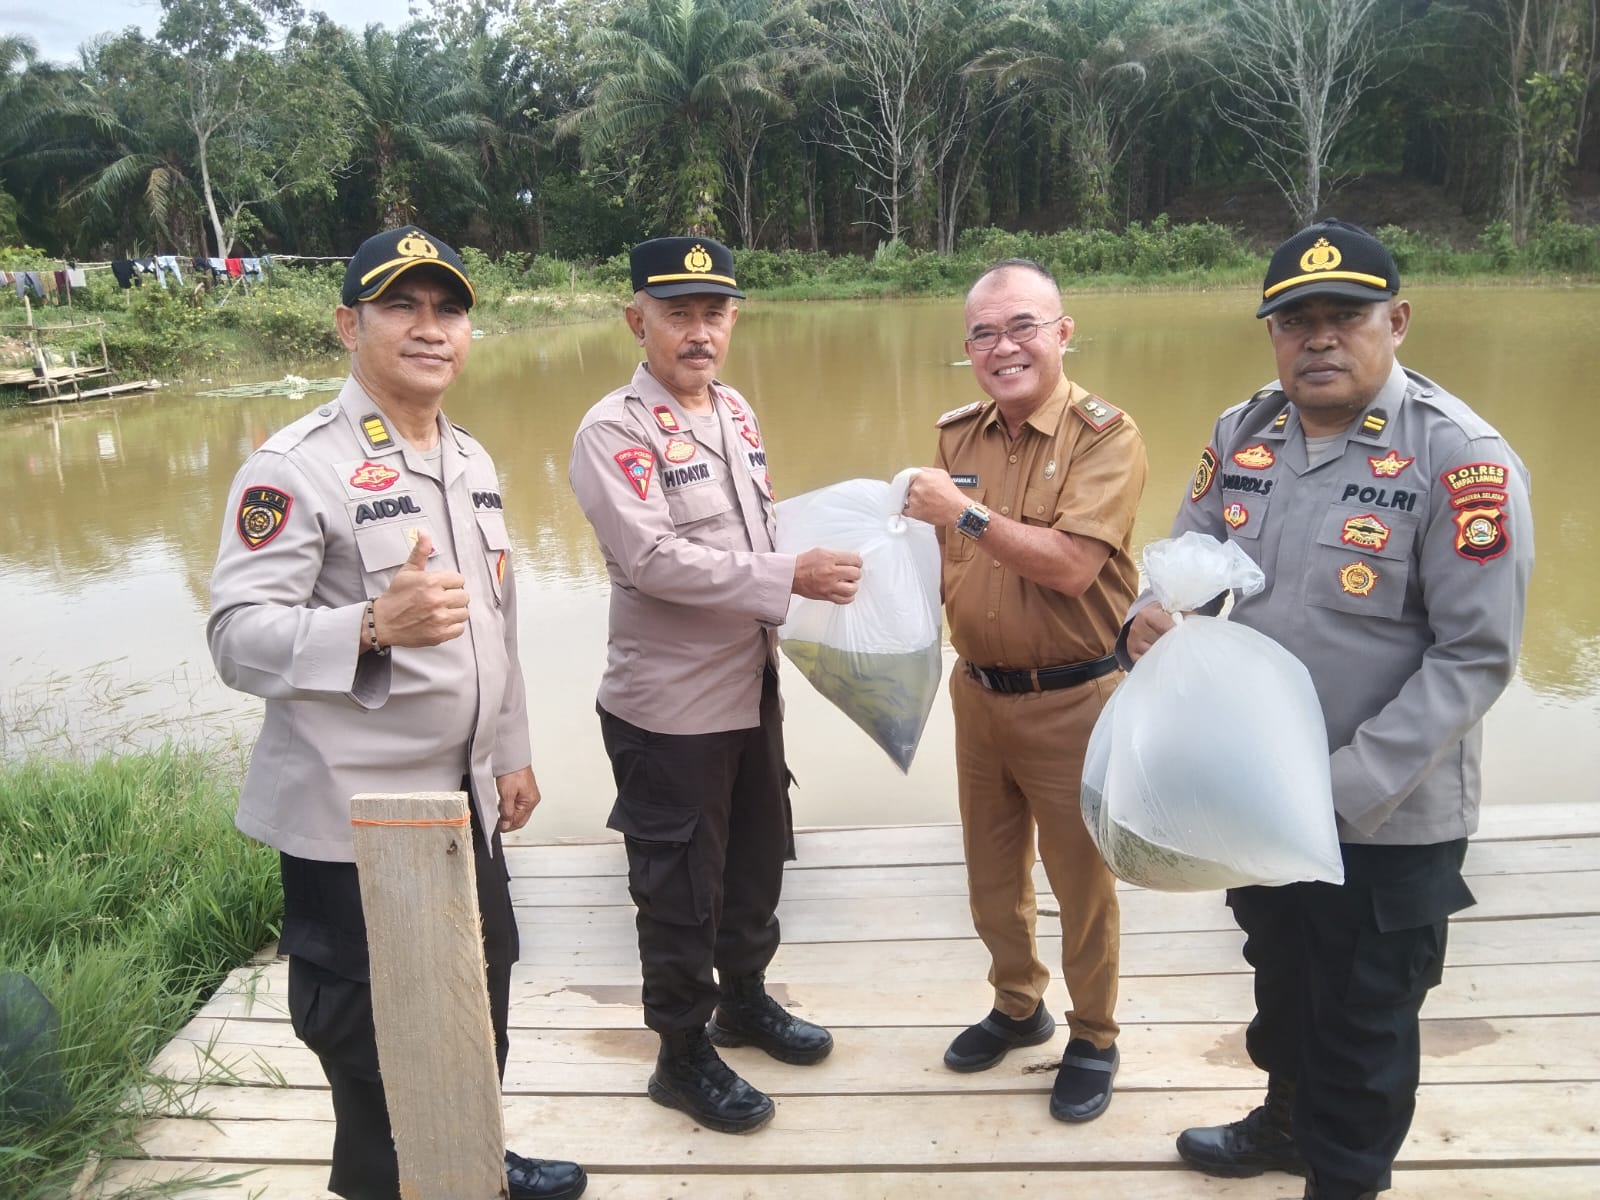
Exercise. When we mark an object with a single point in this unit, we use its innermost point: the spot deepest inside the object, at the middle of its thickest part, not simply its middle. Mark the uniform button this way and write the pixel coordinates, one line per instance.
(1040, 510)
(991, 616)
(997, 562)
(1005, 510)
(325, 411)
(1013, 458)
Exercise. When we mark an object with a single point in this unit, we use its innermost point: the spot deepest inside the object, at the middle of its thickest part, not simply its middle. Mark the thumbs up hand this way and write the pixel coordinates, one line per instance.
(421, 607)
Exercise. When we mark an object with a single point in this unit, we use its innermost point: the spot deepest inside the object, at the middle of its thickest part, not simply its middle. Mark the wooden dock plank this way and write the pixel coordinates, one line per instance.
(901, 1059)
(297, 1182)
(1502, 1124)
(1484, 865)
(878, 943)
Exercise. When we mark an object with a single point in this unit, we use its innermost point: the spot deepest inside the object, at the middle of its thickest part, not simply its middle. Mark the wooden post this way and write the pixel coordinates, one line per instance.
(430, 999)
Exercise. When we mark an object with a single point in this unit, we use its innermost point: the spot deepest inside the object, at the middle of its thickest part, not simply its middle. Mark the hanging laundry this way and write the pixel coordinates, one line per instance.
(64, 285)
(219, 269)
(252, 267)
(126, 274)
(76, 278)
(235, 267)
(168, 262)
(47, 286)
(29, 281)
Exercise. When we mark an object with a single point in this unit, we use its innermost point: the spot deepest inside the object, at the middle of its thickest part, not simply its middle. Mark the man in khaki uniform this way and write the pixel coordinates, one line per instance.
(1034, 493)
(671, 471)
(364, 589)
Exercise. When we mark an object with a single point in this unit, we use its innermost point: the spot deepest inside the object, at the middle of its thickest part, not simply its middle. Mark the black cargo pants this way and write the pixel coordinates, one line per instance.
(1340, 976)
(707, 825)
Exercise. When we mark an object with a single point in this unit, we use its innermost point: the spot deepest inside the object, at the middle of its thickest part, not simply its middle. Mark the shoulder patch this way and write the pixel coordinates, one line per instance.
(1204, 474)
(955, 414)
(262, 514)
(1096, 413)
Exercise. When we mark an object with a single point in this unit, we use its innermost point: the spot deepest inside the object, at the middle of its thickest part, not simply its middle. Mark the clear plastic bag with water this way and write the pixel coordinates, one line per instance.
(1209, 768)
(878, 658)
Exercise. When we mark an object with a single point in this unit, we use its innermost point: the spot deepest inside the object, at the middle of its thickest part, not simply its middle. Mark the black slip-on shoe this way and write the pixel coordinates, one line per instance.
(979, 1047)
(1082, 1089)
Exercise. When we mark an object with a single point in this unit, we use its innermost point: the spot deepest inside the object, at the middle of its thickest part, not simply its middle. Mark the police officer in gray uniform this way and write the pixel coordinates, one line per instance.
(1392, 524)
(364, 589)
(671, 470)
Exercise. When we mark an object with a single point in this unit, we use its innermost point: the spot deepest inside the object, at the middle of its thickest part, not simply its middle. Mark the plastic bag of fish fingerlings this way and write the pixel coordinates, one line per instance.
(876, 659)
(1209, 767)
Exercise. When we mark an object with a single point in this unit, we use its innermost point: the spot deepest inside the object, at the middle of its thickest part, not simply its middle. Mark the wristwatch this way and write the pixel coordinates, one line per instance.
(973, 521)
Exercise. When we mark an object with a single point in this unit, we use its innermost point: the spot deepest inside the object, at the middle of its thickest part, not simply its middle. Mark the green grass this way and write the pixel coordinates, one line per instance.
(125, 897)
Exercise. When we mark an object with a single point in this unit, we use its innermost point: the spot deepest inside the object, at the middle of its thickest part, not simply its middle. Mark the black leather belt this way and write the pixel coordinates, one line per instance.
(1045, 679)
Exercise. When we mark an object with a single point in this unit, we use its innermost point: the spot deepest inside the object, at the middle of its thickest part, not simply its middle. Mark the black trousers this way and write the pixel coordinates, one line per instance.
(1340, 976)
(330, 1001)
(707, 824)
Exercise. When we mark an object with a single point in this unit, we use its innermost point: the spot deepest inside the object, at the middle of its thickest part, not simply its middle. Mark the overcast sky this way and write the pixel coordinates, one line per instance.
(59, 27)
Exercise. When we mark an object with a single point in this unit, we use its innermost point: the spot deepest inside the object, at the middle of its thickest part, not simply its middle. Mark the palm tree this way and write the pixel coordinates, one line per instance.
(668, 74)
(417, 120)
(1092, 58)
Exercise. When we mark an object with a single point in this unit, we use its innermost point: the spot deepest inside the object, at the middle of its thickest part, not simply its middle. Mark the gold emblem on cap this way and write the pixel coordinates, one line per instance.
(414, 245)
(1323, 256)
(697, 260)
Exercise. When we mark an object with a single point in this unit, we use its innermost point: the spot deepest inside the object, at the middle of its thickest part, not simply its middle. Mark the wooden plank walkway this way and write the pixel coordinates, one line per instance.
(878, 945)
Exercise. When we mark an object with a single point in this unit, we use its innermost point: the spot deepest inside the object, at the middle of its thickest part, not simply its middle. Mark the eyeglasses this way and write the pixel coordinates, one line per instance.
(1020, 333)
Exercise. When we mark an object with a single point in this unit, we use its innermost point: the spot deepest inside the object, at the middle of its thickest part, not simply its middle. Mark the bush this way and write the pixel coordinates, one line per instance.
(129, 895)
(1564, 247)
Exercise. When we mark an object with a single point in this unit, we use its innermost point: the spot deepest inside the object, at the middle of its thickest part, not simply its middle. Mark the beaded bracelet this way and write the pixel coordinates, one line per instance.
(372, 628)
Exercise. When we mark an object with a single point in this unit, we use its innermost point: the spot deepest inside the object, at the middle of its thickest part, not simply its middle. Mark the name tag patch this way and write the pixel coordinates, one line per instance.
(964, 481)
(388, 506)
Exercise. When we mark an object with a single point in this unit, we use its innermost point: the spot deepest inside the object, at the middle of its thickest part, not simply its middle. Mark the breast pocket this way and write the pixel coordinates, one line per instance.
(496, 550)
(699, 512)
(958, 547)
(384, 547)
(1362, 561)
(1039, 505)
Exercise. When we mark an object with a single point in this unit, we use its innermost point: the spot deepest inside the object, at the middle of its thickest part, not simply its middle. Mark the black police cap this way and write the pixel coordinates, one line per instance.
(386, 256)
(683, 266)
(1330, 258)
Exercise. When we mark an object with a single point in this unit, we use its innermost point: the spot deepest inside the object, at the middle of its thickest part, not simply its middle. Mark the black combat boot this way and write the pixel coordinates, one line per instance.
(691, 1076)
(747, 1016)
(1313, 1192)
(1262, 1141)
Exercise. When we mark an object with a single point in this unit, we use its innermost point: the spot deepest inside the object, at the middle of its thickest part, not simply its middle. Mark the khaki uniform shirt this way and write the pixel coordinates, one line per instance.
(1077, 465)
(318, 521)
(1397, 572)
(697, 591)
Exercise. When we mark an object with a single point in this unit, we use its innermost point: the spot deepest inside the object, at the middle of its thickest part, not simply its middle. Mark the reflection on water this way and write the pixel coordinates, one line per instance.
(112, 517)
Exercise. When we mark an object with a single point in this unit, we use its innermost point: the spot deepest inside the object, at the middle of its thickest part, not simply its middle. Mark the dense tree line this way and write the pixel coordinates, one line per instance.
(574, 127)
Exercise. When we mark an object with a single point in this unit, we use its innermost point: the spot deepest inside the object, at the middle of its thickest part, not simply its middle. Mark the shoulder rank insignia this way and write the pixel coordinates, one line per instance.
(376, 432)
(955, 414)
(1204, 474)
(262, 513)
(665, 418)
(1097, 414)
(1280, 421)
(1374, 421)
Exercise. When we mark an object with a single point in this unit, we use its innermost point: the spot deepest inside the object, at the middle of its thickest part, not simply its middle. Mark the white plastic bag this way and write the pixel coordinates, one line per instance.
(877, 659)
(1209, 768)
